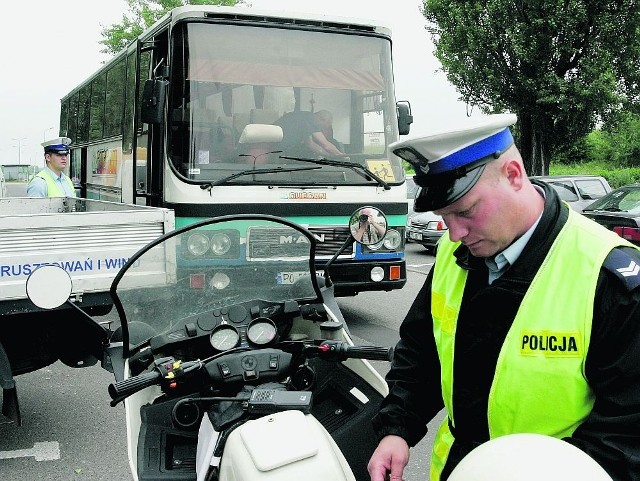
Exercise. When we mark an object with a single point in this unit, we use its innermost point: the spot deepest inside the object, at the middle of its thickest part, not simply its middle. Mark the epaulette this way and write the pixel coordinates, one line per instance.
(624, 266)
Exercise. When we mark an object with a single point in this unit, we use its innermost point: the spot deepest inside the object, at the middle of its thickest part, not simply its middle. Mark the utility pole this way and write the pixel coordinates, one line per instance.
(44, 134)
(20, 148)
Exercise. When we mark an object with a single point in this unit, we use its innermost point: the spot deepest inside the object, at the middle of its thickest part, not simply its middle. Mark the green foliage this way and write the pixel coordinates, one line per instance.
(141, 15)
(616, 144)
(561, 65)
(616, 176)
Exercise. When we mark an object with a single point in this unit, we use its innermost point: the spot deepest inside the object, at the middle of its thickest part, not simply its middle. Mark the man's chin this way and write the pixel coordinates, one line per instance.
(481, 249)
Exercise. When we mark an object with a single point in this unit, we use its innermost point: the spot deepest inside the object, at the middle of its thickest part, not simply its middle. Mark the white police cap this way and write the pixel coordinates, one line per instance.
(449, 163)
(59, 145)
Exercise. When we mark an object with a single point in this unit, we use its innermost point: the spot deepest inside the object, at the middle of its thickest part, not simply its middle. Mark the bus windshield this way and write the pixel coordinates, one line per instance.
(250, 97)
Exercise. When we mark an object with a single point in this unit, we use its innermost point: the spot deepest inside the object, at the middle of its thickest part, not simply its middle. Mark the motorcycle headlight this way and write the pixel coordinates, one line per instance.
(220, 244)
(392, 240)
(197, 244)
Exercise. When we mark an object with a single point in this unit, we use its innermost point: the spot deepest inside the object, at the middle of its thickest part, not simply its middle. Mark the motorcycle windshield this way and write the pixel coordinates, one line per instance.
(208, 266)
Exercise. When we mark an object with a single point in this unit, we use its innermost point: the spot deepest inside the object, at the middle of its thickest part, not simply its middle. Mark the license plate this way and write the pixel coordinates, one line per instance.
(415, 235)
(290, 277)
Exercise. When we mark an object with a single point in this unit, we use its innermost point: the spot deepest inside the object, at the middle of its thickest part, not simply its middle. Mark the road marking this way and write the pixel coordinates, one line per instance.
(421, 265)
(47, 451)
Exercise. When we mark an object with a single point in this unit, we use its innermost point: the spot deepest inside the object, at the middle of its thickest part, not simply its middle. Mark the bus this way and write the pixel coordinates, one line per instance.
(188, 117)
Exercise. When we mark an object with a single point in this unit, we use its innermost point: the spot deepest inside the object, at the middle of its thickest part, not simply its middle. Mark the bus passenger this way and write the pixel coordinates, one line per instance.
(51, 181)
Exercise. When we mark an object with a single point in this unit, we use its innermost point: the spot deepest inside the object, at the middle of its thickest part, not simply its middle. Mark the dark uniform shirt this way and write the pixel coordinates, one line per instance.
(297, 126)
(610, 434)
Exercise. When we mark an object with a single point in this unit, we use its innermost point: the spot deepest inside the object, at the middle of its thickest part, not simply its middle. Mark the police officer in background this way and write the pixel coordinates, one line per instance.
(51, 181)
(528, 322)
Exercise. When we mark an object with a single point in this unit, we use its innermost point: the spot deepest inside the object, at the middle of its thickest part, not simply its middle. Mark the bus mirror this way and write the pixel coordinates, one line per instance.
(153, 96)
(405, 119)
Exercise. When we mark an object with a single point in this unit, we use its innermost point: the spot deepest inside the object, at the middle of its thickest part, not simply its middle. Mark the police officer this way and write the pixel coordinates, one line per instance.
(51, 181)
(528, 322)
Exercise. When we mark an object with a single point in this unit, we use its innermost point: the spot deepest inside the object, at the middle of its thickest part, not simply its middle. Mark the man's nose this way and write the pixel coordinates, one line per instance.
(456, 230)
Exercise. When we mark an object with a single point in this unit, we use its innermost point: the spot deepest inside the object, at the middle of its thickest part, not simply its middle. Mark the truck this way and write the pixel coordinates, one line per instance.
(90, 239)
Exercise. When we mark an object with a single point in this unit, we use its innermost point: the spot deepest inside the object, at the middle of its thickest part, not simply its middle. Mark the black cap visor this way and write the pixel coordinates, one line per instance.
(439, 191)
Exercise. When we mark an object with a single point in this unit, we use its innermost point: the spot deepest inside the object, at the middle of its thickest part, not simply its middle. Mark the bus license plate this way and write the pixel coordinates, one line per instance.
(290, 277)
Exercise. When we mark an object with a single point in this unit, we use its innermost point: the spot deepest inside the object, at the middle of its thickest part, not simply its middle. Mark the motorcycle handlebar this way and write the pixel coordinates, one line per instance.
(173, 370)
(371, 352)
(127, 387)
(339, 350)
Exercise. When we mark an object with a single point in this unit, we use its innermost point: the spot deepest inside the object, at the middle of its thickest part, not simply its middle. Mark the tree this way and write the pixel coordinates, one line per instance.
(563, 66)
(141, 15)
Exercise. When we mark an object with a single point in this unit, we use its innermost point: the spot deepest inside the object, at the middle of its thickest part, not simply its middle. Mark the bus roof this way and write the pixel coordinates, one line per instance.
(298, 17)
(301, 19)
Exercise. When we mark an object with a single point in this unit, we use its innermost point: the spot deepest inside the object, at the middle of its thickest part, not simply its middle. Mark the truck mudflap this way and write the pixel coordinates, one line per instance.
(10, 406)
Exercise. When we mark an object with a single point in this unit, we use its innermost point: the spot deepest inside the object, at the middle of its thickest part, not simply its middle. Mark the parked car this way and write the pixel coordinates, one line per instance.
(424, 228)
(577, 190)
(618, 211)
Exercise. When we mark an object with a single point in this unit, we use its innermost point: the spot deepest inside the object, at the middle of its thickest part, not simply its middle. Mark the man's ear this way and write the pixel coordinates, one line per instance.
(514, 172)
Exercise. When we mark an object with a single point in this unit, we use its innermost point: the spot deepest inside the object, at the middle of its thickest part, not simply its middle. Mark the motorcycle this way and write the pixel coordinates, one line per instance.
(234, 362)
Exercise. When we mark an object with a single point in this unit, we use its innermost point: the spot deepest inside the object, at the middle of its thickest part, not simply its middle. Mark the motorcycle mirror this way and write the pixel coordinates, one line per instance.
(49, 286)
(368, 225)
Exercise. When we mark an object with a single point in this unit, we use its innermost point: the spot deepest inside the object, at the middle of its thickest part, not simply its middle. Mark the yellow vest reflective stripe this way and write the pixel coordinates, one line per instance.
(53, 189)
(539, 385)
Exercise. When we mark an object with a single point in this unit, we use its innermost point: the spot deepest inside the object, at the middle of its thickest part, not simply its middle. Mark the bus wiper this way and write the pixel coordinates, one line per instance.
(276, 170)
(359, 169)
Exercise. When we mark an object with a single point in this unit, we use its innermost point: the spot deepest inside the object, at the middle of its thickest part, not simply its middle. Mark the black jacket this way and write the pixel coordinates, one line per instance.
(611, 433)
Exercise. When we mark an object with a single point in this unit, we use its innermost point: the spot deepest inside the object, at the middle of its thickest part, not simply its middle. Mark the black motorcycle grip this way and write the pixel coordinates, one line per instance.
(340, 350)
(127, 387)
(371, 353)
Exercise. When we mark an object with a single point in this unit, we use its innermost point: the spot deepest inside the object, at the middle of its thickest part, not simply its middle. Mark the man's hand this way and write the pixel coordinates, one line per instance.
(389, 459)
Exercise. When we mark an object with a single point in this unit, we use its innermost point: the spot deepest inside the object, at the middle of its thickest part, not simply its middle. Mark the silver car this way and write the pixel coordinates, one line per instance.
(577, 190)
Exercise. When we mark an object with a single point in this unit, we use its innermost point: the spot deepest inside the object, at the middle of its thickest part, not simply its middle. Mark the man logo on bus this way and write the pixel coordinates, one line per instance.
(289, 239)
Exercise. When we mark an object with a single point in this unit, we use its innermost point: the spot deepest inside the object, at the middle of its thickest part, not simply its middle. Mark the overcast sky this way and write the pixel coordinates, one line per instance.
(50, 46)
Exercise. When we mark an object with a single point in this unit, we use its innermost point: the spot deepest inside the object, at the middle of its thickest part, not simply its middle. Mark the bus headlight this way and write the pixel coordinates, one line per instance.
(377, 274)
(219, 281)
(197, 244)
(392, 240)
(220, 244)
(376, 246)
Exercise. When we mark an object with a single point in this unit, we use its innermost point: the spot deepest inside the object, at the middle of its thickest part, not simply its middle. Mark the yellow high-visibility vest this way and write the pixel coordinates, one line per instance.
(539, 384)
(53, 188)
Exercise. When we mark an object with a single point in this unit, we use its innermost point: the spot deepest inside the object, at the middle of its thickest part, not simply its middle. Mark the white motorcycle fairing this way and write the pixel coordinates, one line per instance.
(207, 334)
(284, 446)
